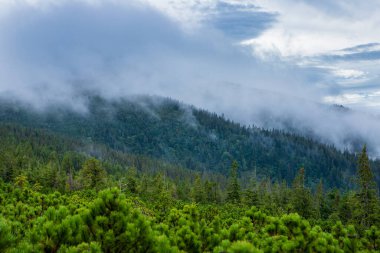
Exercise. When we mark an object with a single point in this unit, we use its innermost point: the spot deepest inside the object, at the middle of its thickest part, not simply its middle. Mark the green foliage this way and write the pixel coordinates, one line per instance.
(198, 191)
(233, 190)
(371, 239)
(82, 248)
(6, 237)
(132, 183)
(237, 247)
(301, 199)
(62, 195)
(93, 176)
(21, 181)
(55, 228)
(367, 196)
(113, 222)
(116, 225)
(195, 139)
(366, 178)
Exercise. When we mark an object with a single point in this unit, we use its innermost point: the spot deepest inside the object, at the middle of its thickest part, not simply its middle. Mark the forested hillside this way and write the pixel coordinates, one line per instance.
(97, 157)
(59, 194)
(191, 138)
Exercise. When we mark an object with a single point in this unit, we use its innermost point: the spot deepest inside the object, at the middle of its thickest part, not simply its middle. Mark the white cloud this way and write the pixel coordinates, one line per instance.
(312, 34)
(306, 29)
(54, 53)
(349, 73)
(369, 101)
(348, 98)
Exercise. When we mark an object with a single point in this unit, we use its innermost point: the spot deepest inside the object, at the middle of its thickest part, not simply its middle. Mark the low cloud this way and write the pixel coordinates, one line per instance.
(54, 53)
(59, 52)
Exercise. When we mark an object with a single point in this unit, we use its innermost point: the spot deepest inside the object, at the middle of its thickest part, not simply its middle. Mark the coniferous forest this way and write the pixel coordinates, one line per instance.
(159, 176)
(189, 126)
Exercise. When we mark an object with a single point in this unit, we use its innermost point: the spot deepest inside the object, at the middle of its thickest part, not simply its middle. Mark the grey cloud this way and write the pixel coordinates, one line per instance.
(52, 53)
(360, 56)
(363, 52)
(361, 48)
(241, 20)
(58, 54)
(351, 69)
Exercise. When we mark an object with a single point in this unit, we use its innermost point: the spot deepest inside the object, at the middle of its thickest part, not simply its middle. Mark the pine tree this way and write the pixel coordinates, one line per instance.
(68, 169)
(116, 225)
(198, 192)
(233, 190)
(367, 194)
(319, 199)
(212, 192)
(52, 175)
(251, 196)
(132, 184)
(93, 175)
(366, 178)
(301, 199)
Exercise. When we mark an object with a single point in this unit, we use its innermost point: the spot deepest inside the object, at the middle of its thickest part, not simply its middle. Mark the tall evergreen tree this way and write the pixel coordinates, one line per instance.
(251, 196)
(233, 190)
(319, 199)
(68, 168)
(367, 194)
(301, 199)
(198, 192)
(212, 191)
(132, 182)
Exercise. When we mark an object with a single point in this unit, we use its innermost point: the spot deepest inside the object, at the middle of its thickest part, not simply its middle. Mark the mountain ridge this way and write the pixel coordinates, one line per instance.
(193, 138)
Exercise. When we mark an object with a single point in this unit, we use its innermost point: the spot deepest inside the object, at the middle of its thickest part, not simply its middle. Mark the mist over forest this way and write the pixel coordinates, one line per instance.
(59, 52)
(225, 126)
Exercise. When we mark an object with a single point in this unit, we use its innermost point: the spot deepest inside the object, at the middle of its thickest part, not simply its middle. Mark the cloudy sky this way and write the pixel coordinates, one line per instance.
(337, 39)
(272, 63)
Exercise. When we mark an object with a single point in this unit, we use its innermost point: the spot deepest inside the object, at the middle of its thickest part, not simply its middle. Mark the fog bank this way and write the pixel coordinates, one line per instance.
(58, 52)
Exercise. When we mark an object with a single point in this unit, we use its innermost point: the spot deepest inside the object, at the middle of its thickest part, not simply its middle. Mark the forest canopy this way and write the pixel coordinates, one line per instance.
(56, 197)
(97, 155)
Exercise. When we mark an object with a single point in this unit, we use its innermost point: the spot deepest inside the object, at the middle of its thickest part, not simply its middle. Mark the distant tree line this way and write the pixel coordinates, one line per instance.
(184, 136)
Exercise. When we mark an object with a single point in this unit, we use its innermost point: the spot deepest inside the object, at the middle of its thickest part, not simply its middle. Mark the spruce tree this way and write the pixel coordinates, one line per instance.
(319, 199)
(211, 191)
(366, 178)
(301, 199)
(367, 195)
(68, 169)
(132, 181)
(233, 190)
(198, 192)
(251, 194)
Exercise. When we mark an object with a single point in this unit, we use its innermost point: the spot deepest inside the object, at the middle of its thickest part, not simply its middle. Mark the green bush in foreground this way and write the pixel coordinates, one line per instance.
(111, 223)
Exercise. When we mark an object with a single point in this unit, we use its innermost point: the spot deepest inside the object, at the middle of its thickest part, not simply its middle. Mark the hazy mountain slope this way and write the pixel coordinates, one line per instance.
(192, 138)
(25, 150)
